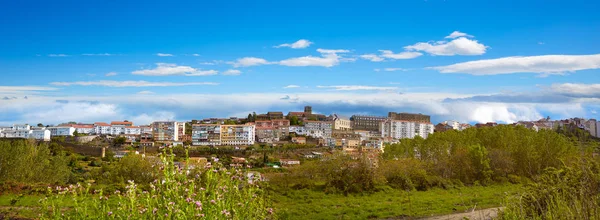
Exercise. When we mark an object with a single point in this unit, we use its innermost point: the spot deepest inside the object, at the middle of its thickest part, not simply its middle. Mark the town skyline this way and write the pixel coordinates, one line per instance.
(179, 61)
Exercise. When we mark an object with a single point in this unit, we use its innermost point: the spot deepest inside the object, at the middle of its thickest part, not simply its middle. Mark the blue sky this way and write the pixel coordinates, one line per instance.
(473, 61)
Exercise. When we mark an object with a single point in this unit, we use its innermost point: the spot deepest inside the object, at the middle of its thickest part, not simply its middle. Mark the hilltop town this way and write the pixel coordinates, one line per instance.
(274, 128)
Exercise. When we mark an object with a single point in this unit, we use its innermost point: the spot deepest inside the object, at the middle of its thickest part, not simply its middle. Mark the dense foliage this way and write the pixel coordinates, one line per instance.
(486, 154)
(25, 161)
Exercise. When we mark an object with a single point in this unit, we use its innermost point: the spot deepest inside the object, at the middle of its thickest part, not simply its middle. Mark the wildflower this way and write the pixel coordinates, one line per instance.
(188, 200)
(213, 201)
(270, 210)
(154, 211)
(225, 212)
(216, 159)
(202, 189)
(117, 192)
(198, 205)
(110, 213)
(166, 215)
(171, 203)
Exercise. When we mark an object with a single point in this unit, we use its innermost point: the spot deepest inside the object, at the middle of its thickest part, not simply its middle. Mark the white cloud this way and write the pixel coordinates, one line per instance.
(111, 74)
(457, 34)
(291, 86)
(357, 87)
(25, 88)
(196, 55)
(58, 55)
(328, 58)
(164, 54)
(302, 43)
(541, 43)
(546, 64)
(372, 57)
(146, 92)
(167, 69)
(109, 83)
(145, 119)
(399, 56)
(98, 54)
(203, 73)
(249, 61)
(576, 89)
(394, 69)
(147, 108)
(232, 72)
(459, 46)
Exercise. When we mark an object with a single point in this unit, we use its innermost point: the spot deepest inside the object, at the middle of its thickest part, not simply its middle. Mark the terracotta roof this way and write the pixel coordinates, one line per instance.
(101, 124)
(296, 113)
(121, 123)
(132, 127)
(82, 126)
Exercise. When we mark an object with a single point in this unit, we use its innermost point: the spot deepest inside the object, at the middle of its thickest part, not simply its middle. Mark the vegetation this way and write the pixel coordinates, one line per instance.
(563, 193)
(24, 161)
(212, 193)
(389, 203)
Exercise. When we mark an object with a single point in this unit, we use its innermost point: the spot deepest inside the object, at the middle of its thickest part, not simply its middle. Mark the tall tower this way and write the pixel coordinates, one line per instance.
(308, 110)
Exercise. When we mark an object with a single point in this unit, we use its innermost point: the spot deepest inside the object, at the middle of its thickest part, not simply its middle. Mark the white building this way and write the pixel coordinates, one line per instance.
(299, 130)
(340, 122)
(16, 133)
(116, 130)
(319, 129)
(84, 129)
(43, 134)
(61, 131)
(398, 129)
(133, 130)
(454, 124)
(102, 128)
(22, 127)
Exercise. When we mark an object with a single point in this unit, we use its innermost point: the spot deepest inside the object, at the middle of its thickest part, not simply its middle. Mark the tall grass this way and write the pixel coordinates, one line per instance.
(571, 192)
(211, 192)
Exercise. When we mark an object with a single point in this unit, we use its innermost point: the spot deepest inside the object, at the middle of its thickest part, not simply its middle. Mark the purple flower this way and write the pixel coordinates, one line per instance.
(213, 201)
(270, 210)
(199, 205)
(109, 213)
(188, 200)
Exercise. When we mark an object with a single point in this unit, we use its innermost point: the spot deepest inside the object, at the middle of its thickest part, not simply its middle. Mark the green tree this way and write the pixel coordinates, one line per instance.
(40, 125)
(118, 141)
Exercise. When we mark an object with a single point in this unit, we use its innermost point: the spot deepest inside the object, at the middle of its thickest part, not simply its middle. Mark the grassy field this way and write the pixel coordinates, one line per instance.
(307, 204)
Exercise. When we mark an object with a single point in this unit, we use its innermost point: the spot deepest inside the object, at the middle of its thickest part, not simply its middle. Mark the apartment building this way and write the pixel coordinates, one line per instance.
(410, 117)
(238, 134)
(298, 130)
(340, 122)
(132, 130)
(123, 123)
(180, 131)
(61, 131)
(102, 128)
(206, 134)
(84, 128)
(269, 131)
(319, 129)
(165, 131)
(366, 123)
(21, 127)
(40, 134)
(399, 129)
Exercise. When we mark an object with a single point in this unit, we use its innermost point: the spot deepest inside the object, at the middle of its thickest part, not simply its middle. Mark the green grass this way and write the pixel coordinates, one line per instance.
(308, 204)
